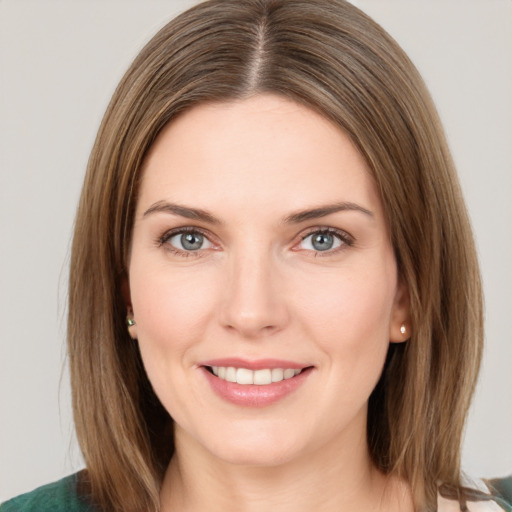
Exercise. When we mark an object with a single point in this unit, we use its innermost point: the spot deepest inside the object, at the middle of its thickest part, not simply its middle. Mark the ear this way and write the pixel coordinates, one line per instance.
(130, 317)
(400, 321)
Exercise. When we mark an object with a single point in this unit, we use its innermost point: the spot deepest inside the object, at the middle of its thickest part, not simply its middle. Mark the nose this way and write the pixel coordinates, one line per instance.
(254, 302)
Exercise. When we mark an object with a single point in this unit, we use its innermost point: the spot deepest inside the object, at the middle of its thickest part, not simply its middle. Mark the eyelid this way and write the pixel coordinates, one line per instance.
(347, 240)
(167, 235)
(182, 229)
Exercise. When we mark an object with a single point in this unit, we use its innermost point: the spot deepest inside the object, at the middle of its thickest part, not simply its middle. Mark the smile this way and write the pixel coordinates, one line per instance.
(255, 383)
(245, 376)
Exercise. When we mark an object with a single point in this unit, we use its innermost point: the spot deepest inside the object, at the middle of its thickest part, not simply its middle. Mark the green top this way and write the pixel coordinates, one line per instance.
(62, 496)
(501, 489)
(59, 496)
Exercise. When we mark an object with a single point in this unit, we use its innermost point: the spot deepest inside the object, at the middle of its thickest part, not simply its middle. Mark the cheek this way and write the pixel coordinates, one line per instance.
(172, 313)
(348, 315)
(350, 300)
(171, 308)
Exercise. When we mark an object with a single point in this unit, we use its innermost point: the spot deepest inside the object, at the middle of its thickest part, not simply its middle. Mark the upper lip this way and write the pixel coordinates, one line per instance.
(258, 364)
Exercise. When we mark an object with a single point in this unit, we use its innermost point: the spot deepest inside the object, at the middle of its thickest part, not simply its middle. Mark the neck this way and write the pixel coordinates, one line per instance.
(332, 478)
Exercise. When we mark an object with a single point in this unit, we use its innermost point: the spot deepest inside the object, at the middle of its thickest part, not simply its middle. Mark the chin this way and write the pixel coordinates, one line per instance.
(256, 457)
(261, 449)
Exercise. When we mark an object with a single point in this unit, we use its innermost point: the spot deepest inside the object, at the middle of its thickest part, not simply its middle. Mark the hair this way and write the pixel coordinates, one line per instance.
(330, 57)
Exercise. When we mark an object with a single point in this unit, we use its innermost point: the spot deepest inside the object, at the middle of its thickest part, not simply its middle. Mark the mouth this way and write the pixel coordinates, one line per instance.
(255, 383)
(261, 377)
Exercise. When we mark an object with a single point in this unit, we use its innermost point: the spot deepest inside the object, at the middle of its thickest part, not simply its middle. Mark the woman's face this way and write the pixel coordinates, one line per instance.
(261, 254)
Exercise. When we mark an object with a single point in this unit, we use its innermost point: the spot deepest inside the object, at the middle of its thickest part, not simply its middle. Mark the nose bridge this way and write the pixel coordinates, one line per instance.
(254, 303)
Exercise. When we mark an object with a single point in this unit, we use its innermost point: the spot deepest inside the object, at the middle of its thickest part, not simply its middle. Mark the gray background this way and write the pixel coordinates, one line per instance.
(59, 63)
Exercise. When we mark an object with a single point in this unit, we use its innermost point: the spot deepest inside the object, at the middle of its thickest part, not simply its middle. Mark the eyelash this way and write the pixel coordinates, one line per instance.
(162, 241)
(345, 238)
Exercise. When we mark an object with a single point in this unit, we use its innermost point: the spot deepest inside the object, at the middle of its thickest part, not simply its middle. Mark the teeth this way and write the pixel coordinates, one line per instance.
(262, 377)
(244, 376)
(288, 374)
(231, 374)
(258, 377)
(277, 374)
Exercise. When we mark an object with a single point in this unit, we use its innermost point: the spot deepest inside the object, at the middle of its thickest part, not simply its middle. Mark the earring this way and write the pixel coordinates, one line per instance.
(130, 322)
(403, 329)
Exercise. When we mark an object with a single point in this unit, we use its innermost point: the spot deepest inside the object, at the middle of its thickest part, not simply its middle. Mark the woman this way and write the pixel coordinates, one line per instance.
(271, 208)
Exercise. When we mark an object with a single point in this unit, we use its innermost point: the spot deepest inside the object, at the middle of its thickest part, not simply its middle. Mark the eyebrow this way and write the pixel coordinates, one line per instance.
(294, 218)
(323, 211)
(182, 211)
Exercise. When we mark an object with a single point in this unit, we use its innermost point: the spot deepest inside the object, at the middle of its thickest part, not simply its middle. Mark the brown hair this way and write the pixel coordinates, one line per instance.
(329, 56)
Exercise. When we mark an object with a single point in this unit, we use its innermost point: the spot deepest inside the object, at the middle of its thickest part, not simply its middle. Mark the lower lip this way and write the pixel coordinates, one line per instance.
(252, 395)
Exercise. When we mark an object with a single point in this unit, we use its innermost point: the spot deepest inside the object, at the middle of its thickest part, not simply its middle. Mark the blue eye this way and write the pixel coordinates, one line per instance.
(322, 241)
(189, 241)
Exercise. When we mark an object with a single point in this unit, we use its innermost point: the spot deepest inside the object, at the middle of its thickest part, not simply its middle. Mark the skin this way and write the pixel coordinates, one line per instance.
(257, 288)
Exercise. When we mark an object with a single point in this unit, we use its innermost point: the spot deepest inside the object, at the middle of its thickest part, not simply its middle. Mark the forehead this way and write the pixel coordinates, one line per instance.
(261, 151)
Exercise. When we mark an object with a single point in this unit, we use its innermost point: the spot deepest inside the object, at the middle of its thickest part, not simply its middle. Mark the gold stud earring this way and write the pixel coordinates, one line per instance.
(403, 329)
(130, 322)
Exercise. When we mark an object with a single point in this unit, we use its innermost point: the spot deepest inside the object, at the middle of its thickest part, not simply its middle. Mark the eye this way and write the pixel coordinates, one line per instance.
(324, 240)
(187, 241)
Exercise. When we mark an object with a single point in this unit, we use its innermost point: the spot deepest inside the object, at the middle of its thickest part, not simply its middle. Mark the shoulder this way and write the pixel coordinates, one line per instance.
(501, 489)
(482, 496)
(449, 505)
(60, 496)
